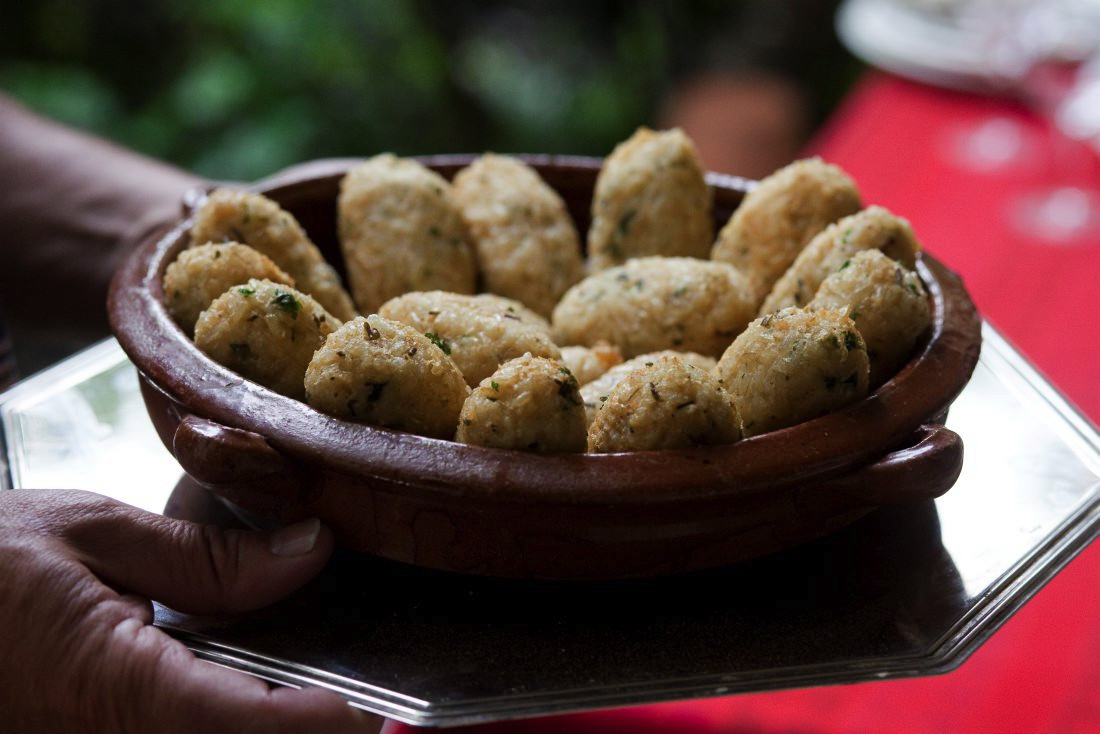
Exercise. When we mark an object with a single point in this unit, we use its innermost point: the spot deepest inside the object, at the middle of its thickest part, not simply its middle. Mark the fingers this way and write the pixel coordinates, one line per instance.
(80, 658)
(157, 685)
(137, 607)
(193, 568)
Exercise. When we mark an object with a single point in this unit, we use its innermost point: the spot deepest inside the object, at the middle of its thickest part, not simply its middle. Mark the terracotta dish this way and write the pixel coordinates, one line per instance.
(445, 505)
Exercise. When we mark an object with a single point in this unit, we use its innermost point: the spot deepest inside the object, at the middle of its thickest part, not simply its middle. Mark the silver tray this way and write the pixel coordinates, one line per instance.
(907, 591)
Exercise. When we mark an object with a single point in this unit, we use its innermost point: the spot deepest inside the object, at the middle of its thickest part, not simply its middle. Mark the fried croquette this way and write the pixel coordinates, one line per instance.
(873, 228)
(479, 334)
(377, 371)
(526, 243)
(792, 366)
(665, 404)
(266, 332)
(589, 363)
(654, 303)
(202, 273)
(594, 394)
(888, 304)
(228, 215)
(400, 230)
(780, 216)
(530, 403)
(650, 198)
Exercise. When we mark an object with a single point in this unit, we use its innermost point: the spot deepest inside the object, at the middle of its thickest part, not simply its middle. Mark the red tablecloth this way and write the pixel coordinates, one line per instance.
(992, 191)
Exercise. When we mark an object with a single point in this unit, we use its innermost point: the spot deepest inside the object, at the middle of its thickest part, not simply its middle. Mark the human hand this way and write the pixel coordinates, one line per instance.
(73, 207)
(78, 652)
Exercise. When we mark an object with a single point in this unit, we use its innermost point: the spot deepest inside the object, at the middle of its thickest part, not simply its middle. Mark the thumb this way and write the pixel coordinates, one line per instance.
(193, 568)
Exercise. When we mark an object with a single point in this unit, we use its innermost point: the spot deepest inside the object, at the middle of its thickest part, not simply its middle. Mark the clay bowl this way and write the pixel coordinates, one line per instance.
(444, 505)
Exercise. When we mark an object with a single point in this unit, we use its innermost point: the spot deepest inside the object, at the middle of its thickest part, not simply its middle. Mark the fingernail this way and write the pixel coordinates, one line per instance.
(295, 540)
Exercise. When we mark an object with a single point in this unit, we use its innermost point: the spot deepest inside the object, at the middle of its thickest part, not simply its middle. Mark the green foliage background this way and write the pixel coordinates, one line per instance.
(235, 89)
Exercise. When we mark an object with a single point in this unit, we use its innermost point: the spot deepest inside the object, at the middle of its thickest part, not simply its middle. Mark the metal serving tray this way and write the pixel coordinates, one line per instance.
(909, 590)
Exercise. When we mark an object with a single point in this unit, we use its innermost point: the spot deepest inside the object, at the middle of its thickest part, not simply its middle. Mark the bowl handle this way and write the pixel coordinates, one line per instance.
(925, 469)
(239, 465)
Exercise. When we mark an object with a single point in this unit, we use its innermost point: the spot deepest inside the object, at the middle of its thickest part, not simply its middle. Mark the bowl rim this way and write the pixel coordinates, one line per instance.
(820, 448)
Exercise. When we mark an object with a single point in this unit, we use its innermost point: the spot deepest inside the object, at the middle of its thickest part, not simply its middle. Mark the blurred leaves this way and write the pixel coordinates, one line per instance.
(236, 90)
(66, 92)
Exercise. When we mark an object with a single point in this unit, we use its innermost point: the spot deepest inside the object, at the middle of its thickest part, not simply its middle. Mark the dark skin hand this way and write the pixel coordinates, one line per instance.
(72, 206)
(80, 653)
